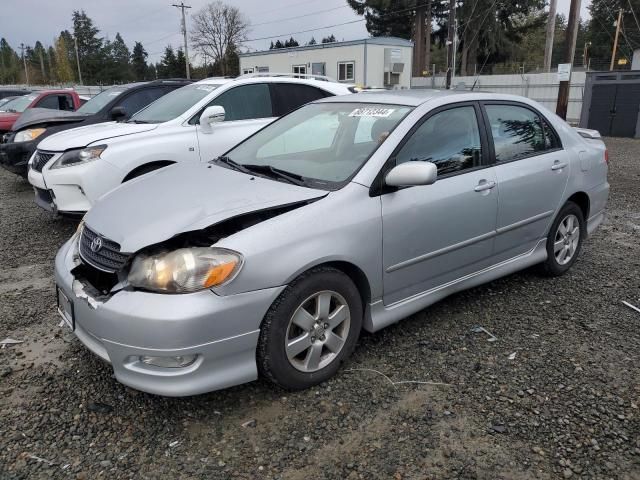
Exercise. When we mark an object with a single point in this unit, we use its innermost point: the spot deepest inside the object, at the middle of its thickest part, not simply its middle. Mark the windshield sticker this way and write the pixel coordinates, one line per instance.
(114, 94)
(372, 112)
(206, 88)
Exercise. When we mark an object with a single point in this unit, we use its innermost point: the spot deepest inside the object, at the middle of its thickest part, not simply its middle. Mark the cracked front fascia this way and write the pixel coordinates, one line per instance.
(77, 286)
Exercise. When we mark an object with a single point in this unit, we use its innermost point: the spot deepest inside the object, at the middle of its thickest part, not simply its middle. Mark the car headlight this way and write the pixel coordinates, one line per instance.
(28, 135)
(185, 270)
(78, 156)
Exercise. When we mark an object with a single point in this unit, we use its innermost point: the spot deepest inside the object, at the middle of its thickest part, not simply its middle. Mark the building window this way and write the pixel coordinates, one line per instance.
(262, 69)
(300, 69)
(246, 71)
(346, 71)
(318, 69)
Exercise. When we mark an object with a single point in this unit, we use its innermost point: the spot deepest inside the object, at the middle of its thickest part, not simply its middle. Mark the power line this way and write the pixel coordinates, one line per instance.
(634, 14)
(332, 26)
(304, 31)
(299, 16)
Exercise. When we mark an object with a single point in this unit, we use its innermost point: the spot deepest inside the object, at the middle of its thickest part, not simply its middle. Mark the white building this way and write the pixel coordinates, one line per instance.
(371, 62)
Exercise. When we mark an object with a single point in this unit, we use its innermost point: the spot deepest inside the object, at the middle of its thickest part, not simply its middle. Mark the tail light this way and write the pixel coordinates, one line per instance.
(606, 156)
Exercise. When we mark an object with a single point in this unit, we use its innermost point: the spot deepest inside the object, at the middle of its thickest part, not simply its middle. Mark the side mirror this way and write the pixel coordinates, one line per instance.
(211, 115)
(410, 174)
(117, 113)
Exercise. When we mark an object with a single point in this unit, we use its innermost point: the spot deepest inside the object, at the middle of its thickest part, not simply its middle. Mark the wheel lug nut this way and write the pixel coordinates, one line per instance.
(322, 338)
(313, 339)
(326, 325)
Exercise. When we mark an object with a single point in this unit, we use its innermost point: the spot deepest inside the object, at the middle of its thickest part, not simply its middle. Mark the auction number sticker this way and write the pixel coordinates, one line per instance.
(372, 112)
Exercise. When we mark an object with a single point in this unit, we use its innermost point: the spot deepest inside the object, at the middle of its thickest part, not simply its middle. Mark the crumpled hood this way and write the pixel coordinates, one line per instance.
(34, 116)
(83, 136)
(185, 197)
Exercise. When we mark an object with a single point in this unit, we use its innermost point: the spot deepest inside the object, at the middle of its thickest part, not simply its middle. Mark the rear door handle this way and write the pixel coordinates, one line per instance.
(484, 185)
(559, 166)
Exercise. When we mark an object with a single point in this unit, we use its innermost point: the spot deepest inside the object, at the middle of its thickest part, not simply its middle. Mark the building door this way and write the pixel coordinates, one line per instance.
(614, 109)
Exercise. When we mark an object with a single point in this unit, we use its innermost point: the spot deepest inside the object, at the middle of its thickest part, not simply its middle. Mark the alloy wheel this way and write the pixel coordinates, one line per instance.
(567, 239)
(317, 331)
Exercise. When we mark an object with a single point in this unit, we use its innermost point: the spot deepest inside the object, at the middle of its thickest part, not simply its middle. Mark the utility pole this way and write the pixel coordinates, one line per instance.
(615, 41)
(450, 40)
(75, 44)
(42, 66)
(419, 41)
(570, 48)
(182, 6)
(24, 62)
(551, 31)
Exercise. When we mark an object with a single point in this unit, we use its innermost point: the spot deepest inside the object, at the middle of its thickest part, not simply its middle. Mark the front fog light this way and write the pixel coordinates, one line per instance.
(179, 361)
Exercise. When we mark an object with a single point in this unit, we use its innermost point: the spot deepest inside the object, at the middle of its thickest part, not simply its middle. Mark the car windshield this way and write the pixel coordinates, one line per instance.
(321, 143)
(173, 104)
(18, 105)
(99, 101)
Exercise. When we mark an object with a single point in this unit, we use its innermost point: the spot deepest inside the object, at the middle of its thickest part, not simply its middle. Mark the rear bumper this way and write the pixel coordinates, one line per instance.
(14, 157)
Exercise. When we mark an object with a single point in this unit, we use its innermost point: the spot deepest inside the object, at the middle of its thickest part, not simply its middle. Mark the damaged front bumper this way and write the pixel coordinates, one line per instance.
(219, 333)
(14, 157)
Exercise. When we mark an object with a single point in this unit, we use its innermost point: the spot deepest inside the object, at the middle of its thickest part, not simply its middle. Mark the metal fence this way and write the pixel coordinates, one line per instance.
(541, 87)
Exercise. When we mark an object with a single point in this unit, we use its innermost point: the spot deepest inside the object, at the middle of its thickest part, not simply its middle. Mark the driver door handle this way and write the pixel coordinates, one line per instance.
(484, 185)
(557, 165)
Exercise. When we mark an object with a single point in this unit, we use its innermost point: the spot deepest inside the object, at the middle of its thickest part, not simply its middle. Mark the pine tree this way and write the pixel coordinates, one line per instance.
(139, 62)
(90, 47)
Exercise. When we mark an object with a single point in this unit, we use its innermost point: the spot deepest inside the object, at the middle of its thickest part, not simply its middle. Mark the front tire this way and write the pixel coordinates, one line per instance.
(310, 330)
(564, 240)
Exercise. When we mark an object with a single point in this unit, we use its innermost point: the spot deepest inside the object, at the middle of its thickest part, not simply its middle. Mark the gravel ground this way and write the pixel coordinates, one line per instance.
(565, 407)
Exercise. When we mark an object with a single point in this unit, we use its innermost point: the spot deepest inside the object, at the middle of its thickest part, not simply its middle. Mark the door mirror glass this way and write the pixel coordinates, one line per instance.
(211, 115)
(118, 113)
(410, 174)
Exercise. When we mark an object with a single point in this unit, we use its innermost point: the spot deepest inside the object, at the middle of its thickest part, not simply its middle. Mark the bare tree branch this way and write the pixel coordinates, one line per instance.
(218, 28)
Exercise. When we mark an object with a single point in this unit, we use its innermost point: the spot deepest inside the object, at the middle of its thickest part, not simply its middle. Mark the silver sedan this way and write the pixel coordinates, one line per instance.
(350, 213)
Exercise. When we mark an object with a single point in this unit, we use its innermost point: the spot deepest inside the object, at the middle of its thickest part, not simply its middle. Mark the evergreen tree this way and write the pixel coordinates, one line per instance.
(330, 39)
(9, 63)
(604, 14)
(90, 47)
(312, 41)
(139, 62)
(168, 64)
(180, 68)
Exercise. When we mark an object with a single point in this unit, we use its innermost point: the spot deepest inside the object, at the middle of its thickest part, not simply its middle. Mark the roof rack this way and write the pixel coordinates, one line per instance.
(322, 78)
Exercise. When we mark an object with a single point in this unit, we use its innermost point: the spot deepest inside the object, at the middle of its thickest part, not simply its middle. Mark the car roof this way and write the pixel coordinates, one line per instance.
(416, 97)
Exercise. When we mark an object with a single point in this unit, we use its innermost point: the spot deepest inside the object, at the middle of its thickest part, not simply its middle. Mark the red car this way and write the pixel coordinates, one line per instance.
(54, 99)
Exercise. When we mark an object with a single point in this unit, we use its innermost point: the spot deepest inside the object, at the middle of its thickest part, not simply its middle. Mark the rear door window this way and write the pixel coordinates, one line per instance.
(139, 99)
(289, 96)
(517, 132)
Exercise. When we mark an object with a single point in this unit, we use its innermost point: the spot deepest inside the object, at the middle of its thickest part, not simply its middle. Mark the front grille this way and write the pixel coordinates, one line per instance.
(107, 258)
(41, 159)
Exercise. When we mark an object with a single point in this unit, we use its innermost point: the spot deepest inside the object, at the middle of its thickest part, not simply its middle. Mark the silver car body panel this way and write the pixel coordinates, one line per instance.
(405, 249)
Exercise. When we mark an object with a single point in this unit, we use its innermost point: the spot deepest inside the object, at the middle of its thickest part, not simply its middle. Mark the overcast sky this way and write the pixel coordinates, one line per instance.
(156, 24)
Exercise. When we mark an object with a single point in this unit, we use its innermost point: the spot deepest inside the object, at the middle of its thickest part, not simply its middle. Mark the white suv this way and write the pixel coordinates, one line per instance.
(72, 169)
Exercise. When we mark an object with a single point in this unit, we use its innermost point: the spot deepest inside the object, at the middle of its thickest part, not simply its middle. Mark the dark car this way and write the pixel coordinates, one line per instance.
(13, 92)
(116, 103)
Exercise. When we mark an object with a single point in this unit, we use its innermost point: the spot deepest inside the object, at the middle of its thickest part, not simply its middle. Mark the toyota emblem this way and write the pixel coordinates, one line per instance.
(96, 244)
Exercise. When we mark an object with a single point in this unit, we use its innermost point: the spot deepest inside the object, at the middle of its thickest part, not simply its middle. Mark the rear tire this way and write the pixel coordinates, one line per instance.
(564, 240)
(310, 330)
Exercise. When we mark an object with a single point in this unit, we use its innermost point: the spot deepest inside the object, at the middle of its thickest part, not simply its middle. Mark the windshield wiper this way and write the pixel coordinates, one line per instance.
(277, 173)
(138, 121)
(235, 165)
